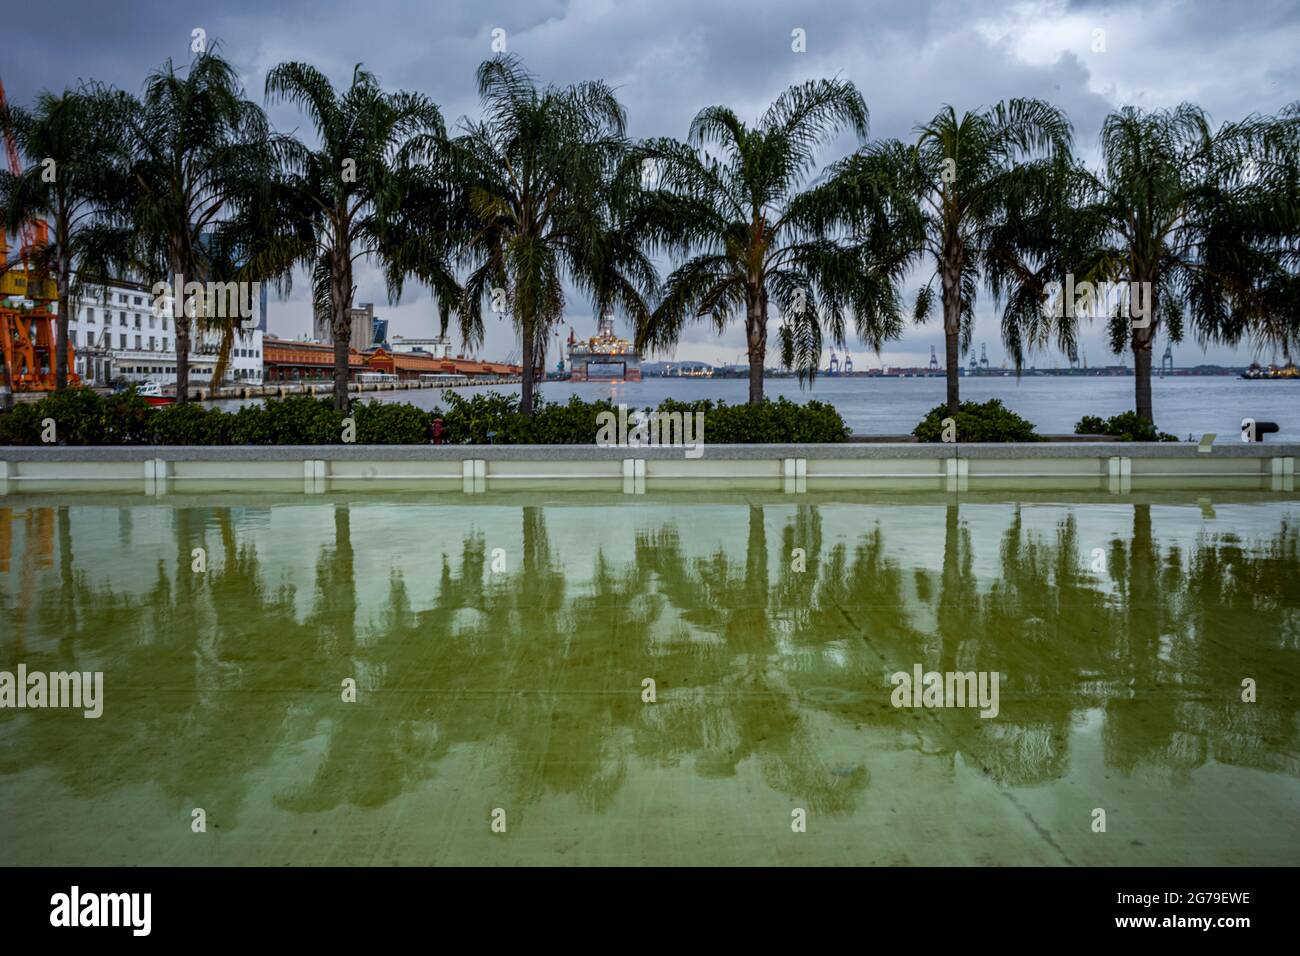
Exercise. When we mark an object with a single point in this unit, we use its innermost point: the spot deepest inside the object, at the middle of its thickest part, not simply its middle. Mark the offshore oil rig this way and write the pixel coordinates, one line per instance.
(27, 343)
(604, 357)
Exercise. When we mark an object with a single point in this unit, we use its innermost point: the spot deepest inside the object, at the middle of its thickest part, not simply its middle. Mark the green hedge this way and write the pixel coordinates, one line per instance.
(493, 418)
(1126, 426)
(988, 422)
(780, 421)
(83, 417)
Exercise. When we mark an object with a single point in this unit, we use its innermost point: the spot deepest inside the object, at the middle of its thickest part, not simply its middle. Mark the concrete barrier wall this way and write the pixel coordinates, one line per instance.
(1114, 466)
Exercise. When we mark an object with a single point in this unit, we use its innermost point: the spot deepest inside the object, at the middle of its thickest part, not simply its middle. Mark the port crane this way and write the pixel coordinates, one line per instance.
(27, 332)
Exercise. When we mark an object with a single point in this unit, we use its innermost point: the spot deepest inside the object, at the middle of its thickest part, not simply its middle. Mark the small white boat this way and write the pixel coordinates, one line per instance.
(152, 393)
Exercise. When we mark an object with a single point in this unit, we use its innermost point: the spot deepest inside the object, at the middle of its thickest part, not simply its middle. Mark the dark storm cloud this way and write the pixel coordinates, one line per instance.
(670, 58)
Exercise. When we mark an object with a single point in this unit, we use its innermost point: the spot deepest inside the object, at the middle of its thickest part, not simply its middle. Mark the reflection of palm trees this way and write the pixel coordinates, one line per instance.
(1041, 625)
(1142, 718)
(1224, 612)
(747, 703)
(192, 696)
(213, 678)
(793, 594)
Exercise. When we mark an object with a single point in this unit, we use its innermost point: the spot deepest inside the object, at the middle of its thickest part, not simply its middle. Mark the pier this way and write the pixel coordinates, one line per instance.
(285, 389)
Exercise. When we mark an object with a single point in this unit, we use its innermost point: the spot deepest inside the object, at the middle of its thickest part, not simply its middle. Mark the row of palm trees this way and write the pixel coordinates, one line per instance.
(545, 191)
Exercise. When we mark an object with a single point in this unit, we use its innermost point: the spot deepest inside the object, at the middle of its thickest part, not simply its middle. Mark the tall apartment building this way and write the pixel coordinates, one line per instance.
(363, 327)
(117, 334)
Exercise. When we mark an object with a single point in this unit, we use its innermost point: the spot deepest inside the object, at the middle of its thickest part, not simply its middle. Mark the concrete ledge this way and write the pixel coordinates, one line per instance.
(842, 451)
(456, 453)
(1113, 467)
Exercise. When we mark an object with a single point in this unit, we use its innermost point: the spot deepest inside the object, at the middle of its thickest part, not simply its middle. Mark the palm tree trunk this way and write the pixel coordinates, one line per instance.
(341, 323)
(1142, 374)
(182, 357)
(952, 371)
(6, 383)
(951, 334)
(182, 318)
(756, 333)
(342, 333)
(223, 353)
(1142, 338)
(526, 374)
(61, 322)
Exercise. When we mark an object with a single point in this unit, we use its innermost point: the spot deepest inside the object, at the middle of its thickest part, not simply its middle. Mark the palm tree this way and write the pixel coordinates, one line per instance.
(537, 171)
(200, 152)
(740, 205)
(1199, 224)
(964, 184)
(350, 185)
(71, 141)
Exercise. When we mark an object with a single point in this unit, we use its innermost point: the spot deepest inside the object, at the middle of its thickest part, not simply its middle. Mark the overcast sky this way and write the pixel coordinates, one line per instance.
(669, 58)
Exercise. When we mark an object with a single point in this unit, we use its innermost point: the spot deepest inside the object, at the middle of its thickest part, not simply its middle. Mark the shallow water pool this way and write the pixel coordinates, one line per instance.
(500, 648)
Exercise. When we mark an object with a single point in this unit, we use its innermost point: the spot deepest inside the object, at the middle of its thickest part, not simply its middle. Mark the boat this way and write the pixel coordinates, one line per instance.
(604, 357)
(152, 393)
(1256, 373)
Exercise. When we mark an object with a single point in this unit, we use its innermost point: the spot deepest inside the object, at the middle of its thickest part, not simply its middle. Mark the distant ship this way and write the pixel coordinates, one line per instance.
(1256, 373)
(604, 357)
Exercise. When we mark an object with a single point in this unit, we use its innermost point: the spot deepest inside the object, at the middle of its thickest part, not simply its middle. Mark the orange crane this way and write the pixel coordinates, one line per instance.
(27, 333)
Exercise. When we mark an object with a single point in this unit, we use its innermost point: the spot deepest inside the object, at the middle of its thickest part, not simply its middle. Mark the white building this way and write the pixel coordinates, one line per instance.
(116, 333)
(438, 347)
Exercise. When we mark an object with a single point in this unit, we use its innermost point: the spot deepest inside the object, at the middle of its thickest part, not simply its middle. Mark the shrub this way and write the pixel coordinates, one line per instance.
(988, 422)
(21, 426)
(83, 417)
(189, 424)
(571, 423)
(491, 417)
(778, 421)
(1126, 426)
(473, 420)
(391, 423)
(469, 421)
(126, 419)
(297, 420)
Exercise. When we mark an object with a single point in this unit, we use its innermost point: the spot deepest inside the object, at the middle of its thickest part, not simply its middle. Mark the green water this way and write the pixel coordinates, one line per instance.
(512, 679)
